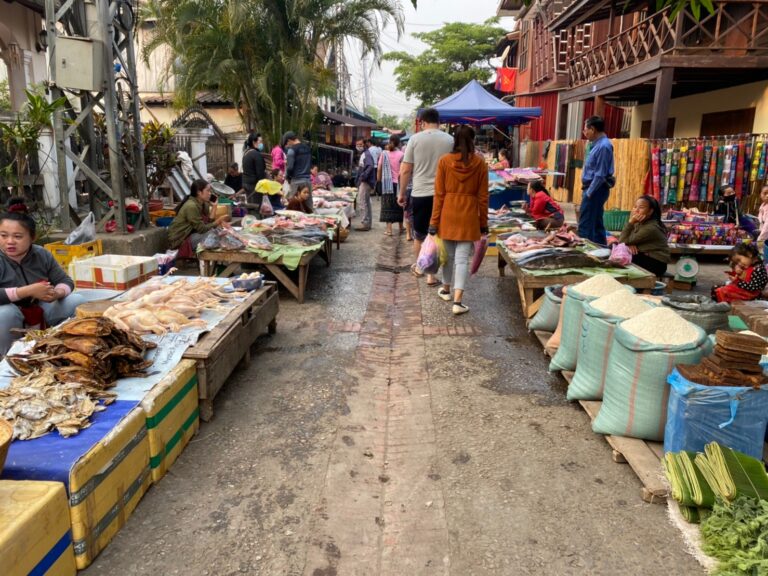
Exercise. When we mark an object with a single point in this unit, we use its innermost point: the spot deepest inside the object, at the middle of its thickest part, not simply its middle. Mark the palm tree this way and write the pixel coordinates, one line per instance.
(264, 54)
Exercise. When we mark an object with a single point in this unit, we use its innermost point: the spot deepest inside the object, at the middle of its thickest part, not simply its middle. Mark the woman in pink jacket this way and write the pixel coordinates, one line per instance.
(278, 159)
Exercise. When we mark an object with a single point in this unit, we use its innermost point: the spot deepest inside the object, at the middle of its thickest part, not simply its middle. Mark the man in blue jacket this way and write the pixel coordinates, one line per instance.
(596, 181)
(366, 181)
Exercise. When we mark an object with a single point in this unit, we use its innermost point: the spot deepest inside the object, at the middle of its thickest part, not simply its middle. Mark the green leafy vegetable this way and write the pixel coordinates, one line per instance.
(736, 534)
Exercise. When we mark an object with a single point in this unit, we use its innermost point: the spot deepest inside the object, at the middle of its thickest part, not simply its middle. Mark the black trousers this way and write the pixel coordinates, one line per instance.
(655, 267)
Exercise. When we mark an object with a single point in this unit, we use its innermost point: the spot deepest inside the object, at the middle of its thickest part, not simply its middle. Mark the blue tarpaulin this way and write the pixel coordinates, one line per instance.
(473, 104)
(51, 457)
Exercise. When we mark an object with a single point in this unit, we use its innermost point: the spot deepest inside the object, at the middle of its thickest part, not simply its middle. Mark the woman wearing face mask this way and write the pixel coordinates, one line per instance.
(254, 168)
(33, 287)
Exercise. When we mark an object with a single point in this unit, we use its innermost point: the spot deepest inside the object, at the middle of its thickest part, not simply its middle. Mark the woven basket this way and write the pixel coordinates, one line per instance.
(343, 234)
(615, 220)
(6, 435)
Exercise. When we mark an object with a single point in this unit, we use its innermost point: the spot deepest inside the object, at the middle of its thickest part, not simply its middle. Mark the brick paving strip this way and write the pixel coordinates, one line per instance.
(381, 507)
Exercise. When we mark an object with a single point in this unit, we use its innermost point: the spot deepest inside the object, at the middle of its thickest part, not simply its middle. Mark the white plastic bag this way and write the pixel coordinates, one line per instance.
(86, 232)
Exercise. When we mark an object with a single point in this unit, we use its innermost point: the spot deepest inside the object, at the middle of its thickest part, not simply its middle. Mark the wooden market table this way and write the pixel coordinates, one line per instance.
(531, 287)
(235, 258)
(218, 352)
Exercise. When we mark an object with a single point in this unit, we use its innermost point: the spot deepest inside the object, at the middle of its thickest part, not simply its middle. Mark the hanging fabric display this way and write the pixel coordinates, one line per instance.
(738, 180)
(655, 180)
(712, 180)
(682, 172)
(732, 171)
(758, 150)
(761, 164)
(705, 172)
(721, 162)
(665, 159)
(693, 194)
(689, 162)
(673, 176)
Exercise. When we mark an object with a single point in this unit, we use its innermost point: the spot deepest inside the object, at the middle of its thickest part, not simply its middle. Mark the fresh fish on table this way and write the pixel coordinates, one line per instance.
(561, 260)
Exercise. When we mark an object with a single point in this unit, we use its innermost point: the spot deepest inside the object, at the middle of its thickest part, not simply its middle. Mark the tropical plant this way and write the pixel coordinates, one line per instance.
(159, 152)
(5, 95)
(457, 53)
(266, 55)
(20, 136)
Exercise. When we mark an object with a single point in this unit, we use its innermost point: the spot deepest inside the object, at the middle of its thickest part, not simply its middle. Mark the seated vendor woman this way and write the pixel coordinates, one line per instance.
(546, 213)
(646, 236)
(299, 201)
(34, 290)
(194, 217)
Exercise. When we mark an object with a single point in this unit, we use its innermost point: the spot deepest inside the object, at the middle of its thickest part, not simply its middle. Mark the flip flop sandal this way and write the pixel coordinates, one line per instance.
(416, 272)
(435, 283)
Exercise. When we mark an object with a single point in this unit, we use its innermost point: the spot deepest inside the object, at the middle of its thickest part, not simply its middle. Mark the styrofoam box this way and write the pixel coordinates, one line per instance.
(35, 535)
(114, 271)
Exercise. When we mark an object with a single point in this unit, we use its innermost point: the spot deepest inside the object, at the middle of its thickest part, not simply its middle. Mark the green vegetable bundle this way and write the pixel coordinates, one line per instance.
(736, 534)
(731, 473)
(689, 487)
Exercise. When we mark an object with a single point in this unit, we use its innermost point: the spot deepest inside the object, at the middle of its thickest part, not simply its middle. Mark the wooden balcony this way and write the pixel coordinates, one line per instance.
(737, 29)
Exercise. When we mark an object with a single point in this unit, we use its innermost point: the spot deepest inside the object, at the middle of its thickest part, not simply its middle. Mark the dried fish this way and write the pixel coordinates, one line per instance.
(63, 379)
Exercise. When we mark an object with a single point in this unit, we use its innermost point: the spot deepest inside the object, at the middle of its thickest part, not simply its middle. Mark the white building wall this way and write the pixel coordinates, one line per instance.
(19, 35)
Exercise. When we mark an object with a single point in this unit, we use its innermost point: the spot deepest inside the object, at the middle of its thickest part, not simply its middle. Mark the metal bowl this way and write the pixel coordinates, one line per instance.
(222, 189)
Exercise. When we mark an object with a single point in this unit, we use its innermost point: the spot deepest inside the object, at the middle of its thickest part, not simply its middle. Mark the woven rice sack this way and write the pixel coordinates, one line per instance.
(546, 319)
(595, 341)
(554, 342)
(636, 391)
(573, 316)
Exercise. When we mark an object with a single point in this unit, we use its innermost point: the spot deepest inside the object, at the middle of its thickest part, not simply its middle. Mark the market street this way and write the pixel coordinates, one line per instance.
(376, 433)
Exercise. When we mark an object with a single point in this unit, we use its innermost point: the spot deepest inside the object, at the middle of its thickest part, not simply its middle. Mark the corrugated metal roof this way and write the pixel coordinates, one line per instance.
(203, 98)
(348, 120)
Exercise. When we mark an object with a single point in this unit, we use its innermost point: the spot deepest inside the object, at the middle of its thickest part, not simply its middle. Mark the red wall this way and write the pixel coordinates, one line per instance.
(542, 128)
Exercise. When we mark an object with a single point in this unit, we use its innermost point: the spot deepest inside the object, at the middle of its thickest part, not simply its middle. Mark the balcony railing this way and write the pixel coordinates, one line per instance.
(736, 28)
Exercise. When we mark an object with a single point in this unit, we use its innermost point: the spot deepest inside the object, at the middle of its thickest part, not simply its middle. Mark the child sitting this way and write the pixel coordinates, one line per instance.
(299, 201)
(748, 276)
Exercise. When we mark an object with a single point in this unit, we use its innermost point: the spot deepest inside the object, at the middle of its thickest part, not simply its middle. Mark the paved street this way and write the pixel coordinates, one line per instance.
(377, 434)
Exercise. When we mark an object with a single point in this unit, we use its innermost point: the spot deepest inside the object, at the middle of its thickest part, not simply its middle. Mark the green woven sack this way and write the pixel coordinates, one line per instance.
(595, 342)
(573, 316)
(548, 315)
(636, 391)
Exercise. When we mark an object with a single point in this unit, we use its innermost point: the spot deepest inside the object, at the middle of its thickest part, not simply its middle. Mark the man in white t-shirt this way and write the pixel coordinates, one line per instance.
(419, 166)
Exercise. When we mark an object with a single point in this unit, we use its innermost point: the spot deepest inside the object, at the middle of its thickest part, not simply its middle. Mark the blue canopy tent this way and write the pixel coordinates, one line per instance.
(473, 104)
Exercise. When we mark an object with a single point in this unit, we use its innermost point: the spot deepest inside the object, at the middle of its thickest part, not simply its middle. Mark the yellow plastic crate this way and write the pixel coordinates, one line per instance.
(35, 533)
(173, 416)
(106, 485)
(64, 253)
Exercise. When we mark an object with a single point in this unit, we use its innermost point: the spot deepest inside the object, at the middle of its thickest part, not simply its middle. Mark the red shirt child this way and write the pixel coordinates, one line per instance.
(748, 276)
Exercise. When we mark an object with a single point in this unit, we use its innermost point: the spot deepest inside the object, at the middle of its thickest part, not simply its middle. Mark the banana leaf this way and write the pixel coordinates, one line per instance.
(730, 473)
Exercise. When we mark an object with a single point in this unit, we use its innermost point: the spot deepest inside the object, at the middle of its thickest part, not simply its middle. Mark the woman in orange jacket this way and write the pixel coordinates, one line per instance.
(460, 212)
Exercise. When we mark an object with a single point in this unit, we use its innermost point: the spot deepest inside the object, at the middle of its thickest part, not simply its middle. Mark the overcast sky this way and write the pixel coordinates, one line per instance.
(430, 15)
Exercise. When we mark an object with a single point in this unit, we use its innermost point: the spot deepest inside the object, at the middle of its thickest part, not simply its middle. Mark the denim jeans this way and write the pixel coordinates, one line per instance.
(591, 224)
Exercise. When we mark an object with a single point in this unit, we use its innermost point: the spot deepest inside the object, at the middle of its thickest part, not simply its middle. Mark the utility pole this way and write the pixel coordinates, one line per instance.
(92, 60)
(366, 85)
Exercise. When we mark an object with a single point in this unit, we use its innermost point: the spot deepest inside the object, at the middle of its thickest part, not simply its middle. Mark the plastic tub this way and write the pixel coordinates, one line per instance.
(659, 289)
(248, 284)
(164, 222)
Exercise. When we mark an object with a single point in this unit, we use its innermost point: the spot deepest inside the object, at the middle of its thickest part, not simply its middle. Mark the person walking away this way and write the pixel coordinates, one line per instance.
(254, 169)
(419, 165)
(545, 211)
(646, 236)
(460, 212)
(298, 166)
(388, 175)
(366, 181)
(234, 178)
(596, 181)
(376, 152)
(763, 219)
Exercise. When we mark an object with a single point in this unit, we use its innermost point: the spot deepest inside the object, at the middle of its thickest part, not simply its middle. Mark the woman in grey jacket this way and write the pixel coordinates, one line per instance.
(33, 287)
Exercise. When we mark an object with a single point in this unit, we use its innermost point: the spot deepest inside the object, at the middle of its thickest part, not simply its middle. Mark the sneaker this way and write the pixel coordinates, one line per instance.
(459, 308)
(445, 294)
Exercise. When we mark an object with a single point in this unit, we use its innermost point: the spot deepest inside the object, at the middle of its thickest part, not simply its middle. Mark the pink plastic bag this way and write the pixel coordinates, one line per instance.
(620, 254)
(429, 256)
(481, 246)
